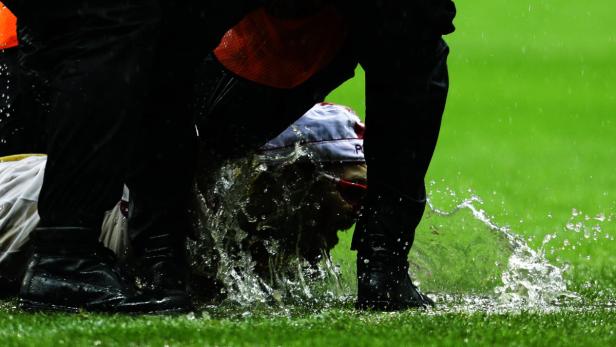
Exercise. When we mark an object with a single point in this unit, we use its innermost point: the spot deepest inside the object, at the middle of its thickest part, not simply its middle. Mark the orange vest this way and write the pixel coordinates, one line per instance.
(281, 53)
(8, 28)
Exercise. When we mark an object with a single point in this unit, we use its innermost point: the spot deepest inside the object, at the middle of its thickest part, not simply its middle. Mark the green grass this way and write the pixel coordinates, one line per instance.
(331, 327)
(530, 128)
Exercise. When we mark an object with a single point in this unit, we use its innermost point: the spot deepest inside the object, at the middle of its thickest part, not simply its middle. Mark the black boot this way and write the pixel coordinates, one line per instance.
(12, 271)
(158, 218)
(383, 238)
(162, 268)
(383, 284)
(70, 271)
(8, 287)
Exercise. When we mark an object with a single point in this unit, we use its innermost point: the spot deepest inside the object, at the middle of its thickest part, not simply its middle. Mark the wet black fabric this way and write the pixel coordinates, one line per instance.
(95, 63)
(119, 75)
(21, 129)
(402, 125)
(399, 45)
(161, 171)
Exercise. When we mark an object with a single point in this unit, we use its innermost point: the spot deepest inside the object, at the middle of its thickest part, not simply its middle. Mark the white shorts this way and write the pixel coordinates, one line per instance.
(20, 184)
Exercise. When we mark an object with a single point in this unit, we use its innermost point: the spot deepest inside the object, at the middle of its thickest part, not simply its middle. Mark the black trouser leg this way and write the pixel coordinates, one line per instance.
(399, 148)
(160, 186)
(409, 94)
(101, 64)
(404, 57)
(160, 182)
(161, 174)
(95, 58)
(161, 179)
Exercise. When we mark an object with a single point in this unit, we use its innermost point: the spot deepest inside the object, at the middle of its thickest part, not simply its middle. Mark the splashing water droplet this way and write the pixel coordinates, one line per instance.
(529, 280)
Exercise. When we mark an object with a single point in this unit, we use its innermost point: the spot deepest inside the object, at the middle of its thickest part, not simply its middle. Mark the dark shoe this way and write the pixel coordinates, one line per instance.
(385, 285)
(8, 288)
(163, 269)
(11, 272)
(383, 238)
(68, 272)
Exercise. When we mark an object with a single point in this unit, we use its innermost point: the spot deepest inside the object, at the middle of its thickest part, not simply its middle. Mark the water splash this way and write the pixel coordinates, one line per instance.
(530, 280)
(588, 226)
(225, 251)
(5, 99)
(215, 253)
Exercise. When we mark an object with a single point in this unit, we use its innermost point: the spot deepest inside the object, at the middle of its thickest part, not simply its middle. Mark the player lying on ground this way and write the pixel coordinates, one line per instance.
(298, 191)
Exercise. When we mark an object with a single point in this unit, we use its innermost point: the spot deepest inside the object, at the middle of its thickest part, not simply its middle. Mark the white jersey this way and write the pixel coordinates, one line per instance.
(20, 184)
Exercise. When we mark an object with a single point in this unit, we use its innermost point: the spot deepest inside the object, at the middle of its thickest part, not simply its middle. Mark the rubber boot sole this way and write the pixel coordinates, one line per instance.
(34, 307)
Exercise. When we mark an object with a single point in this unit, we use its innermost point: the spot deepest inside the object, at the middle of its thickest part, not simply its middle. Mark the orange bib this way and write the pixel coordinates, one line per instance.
(281, 53)
(8, 28)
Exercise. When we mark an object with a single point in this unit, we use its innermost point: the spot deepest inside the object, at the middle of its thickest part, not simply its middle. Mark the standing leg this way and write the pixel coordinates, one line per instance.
(406, 85)
(161, 179)
(161, 175)
(94, 57)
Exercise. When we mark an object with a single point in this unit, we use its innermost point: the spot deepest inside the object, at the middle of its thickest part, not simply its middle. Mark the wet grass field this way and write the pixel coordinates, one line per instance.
(530, 129)
(331, 328)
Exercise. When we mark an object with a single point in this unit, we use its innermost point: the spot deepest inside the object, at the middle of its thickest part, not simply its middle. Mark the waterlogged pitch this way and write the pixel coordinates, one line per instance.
(517, 246)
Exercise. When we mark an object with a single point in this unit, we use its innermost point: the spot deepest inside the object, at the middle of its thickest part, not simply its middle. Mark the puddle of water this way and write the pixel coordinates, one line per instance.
(530, 278)
(469, 304)
(529, 281)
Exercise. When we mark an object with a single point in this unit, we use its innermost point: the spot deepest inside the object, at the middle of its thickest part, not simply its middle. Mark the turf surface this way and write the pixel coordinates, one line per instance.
(334, 327)
(530, 129)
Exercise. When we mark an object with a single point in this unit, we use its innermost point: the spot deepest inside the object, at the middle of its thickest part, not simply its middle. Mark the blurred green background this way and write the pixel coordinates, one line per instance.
(530, 128)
